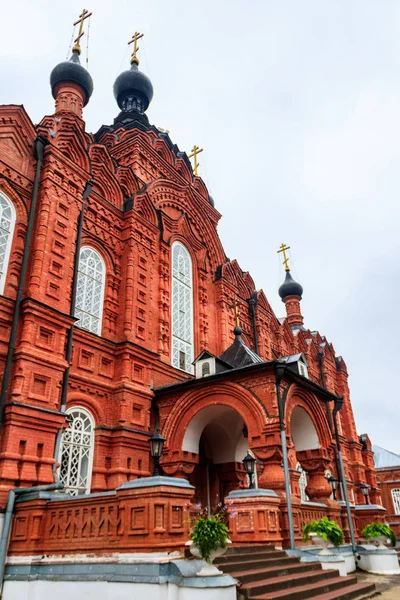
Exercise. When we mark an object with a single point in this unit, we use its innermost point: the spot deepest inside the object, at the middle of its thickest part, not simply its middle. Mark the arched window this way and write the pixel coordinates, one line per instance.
(182, 308)
(396, 500)
(205, 369)
(7, 223)
(77, 452)
(90, 290)
(302, 483)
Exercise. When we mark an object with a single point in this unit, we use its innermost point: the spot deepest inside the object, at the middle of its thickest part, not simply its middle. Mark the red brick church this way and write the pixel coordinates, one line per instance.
(121, 316)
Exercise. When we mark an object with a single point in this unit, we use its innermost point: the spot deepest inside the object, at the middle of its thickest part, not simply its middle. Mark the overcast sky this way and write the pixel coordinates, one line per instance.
(297, 106)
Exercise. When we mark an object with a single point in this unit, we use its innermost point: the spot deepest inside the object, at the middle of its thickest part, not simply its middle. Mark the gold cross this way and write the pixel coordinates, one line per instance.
(195, 151)
(136, 36)
(283, 249)
(236, 309)
(85, 14)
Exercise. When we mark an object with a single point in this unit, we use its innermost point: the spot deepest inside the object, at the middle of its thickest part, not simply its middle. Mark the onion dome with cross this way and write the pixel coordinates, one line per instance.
(71, 71)
(289, 287)
(133, 90)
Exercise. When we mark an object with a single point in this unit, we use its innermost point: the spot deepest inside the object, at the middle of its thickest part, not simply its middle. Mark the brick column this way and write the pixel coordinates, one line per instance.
(254, 516)
(315, 463)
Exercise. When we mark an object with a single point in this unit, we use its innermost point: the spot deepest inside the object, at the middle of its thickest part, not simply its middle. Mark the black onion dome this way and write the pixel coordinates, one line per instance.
(133, 90)
(211, 200)
(290, 287)
(72, 71)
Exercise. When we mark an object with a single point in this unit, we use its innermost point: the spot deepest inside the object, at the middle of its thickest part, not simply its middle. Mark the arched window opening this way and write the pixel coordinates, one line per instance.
(182, 308)
(302, 483)
(396, 500)
(205, 369)
(7, 224)
(90, 290)
(77, 447)
(304, 434)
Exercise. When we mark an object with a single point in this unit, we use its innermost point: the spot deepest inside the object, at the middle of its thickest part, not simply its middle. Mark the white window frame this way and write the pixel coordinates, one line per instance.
(200, 366)
(7, 251)
(175, 339)
(70, 489)
(302, 369)
(77, 308)
(302, 483)
(396, 500)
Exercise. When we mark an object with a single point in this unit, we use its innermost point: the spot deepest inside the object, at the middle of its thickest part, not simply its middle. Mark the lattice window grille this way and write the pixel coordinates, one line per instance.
(90, 290)
(396, 500)
(182, 308)
(302, 483)
(7, 223)
(77, 447)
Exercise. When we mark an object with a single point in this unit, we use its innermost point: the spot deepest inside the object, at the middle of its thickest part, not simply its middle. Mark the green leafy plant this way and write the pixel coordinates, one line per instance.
(325, 528)
(374, 530)
(209, 531)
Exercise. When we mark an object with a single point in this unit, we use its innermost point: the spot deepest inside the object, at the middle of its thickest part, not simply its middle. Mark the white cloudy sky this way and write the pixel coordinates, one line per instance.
(297, 105)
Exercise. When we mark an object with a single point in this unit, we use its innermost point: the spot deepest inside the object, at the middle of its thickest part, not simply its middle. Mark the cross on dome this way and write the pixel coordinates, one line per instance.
(195, 151)
(136, 36)
(85, 15)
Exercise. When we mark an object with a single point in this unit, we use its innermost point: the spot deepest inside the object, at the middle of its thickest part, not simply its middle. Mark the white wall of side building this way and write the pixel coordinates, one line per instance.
(105, 590)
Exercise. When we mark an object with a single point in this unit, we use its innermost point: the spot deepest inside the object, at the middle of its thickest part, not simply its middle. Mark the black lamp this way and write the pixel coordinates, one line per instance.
(364, 487)
(250, 466)
(156, 448)
(334, 483)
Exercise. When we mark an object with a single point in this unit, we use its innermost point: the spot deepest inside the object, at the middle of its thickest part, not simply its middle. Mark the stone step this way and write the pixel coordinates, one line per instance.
(304, 592)
(276, 576)
(243, 557)
(250, 549)
(240, 565)
(358, 591)
(285, 584)
(338, 587)
(276, 571)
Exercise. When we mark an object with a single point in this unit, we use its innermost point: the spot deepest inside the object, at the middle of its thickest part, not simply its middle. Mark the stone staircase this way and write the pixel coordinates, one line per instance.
(264, 573)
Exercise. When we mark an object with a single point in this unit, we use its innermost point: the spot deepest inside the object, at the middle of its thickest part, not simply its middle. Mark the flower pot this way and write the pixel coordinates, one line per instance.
(382, 540)
(319, 541)
(209, 569)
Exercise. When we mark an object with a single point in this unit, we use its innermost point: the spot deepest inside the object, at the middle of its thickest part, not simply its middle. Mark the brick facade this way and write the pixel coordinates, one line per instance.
(389, 481)
(144, 198)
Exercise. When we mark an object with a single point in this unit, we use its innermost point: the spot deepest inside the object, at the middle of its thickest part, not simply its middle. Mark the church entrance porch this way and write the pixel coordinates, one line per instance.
(218, 436)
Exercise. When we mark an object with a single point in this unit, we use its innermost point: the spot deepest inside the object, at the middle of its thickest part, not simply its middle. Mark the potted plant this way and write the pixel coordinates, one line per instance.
(324, 531)
(209, 536)
(379, 532)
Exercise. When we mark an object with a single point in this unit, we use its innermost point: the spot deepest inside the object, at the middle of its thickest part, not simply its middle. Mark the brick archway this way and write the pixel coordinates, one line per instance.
(314, 409)
(188, 405)
(198, 410)
(311, 440)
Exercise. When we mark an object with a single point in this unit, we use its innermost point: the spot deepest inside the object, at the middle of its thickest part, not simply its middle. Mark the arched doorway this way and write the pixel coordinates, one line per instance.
(218, 435)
